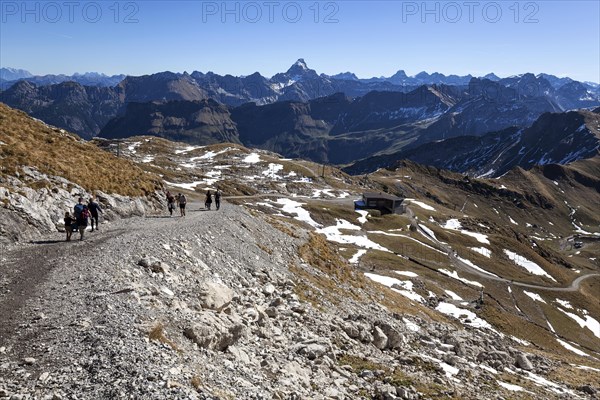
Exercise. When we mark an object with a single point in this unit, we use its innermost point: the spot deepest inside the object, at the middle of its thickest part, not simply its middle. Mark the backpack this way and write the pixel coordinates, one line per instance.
(78, 209)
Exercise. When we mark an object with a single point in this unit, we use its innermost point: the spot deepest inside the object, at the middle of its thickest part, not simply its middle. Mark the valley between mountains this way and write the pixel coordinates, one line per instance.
(481, 288)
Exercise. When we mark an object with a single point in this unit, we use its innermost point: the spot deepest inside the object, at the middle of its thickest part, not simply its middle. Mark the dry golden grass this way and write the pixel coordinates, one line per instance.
(30, 143)
(396, 376)
(196, 382)
(336, 280)
(158, 333)
(319, 253)
(327, 213)
(277, 223)
(264, 248)
(235, 188)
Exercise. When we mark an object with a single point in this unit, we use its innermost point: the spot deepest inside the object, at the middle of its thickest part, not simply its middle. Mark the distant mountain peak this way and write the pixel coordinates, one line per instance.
(492, 77)
(299, 68)
(399, 74)
(10, 74)
(349, 76)
(300, 63)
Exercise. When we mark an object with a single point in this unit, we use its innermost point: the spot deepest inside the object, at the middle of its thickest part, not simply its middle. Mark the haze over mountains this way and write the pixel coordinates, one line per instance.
(9, 76)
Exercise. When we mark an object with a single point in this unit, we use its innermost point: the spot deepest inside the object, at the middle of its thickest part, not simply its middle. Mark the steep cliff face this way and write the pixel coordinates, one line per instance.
(194, 122)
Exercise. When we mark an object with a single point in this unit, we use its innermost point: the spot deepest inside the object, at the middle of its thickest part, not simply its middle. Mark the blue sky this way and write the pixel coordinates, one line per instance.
(372, 38)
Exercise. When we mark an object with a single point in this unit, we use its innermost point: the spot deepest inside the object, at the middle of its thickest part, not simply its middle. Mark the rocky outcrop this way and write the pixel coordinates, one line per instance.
(28, 212)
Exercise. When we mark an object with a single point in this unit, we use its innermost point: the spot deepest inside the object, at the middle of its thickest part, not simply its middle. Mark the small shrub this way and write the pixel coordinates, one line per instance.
(196, 382)
(158, 334)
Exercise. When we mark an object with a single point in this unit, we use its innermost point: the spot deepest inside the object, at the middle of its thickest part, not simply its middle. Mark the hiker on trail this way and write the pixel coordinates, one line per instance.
(68, 225)
(218, 199)
(208, 201)
(170, 203)
(82, 220)
(94, 208)
(182, 201)
(78, 209)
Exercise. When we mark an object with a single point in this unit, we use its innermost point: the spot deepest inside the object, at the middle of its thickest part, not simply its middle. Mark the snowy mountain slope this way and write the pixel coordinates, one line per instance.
(559, 138)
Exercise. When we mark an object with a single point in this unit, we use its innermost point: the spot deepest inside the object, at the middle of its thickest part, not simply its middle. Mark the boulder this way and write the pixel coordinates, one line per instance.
(351, 330)
(215, 331)
(380, 340)
(395, 339)
(313, 350)
(588, 389)
(153, 264)
(268, 289)
(523, 362)
(215, 295)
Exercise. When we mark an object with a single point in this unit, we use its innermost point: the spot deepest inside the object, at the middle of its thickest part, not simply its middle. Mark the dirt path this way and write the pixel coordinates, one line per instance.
(26, 267)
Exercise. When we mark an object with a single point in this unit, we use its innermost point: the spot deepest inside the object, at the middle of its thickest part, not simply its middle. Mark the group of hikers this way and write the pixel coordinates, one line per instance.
(181, 201)
(82, 214)
(85, 213)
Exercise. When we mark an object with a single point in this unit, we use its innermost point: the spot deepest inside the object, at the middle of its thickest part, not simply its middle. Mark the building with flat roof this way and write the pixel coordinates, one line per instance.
(385, 203)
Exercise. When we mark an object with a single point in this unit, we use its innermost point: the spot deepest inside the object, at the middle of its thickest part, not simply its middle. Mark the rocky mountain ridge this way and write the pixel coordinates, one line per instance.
(9, 76)
(558, 138)
(480, 105)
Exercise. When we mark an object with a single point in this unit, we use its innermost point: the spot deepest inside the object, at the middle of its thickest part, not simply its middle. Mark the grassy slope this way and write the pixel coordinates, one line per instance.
(485, 203)
(27, 142)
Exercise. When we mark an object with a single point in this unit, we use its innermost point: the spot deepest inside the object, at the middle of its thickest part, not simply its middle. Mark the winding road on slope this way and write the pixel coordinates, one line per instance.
(456, 261)
(573, 287)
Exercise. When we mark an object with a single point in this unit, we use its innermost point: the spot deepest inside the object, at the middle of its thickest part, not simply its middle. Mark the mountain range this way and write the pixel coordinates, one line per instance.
(554, 138)
(298, 113)
(9, 76)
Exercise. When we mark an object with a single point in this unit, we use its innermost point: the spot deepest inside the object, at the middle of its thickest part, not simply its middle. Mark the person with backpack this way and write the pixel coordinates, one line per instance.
(182, 202)
(218, 199)
(82, 214)
(208, 201)
(68, 225)
(94, 208)
(78, 209)
(170, 203)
